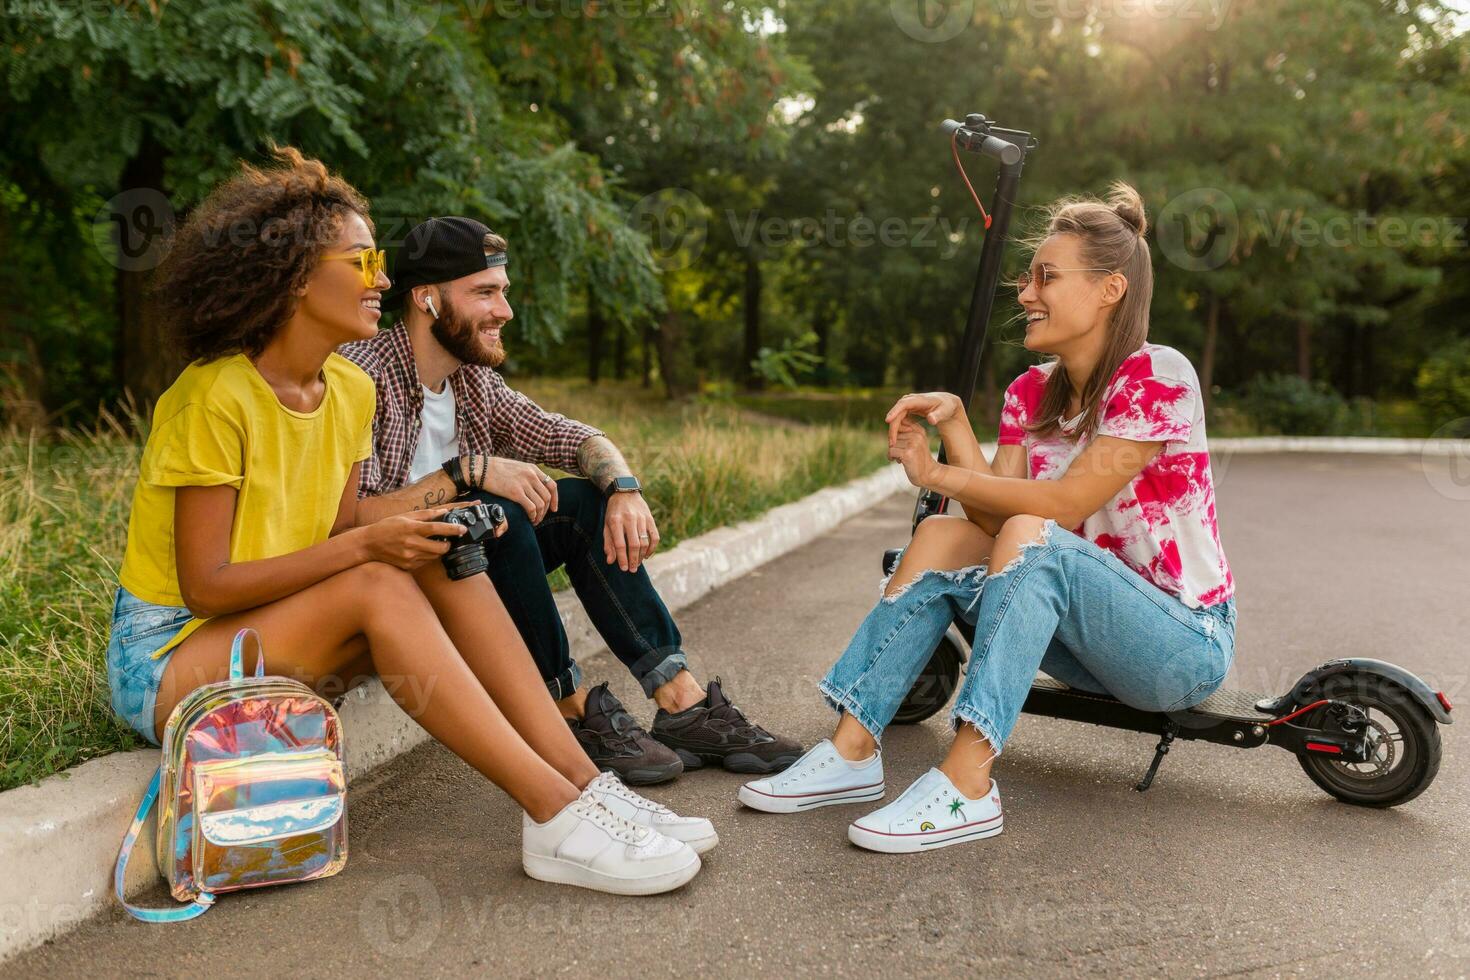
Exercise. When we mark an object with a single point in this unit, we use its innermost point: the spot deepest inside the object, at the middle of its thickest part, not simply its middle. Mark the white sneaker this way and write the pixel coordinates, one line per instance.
(612, 793)
(819, 778)
(588, 845)
(930, 814)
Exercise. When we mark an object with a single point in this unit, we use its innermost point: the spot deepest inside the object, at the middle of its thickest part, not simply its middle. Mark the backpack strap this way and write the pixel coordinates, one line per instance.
(237, 654)
(180, 913)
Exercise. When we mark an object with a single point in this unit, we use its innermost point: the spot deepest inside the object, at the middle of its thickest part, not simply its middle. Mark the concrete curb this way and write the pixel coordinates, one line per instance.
(59, 839)
(1344, 444)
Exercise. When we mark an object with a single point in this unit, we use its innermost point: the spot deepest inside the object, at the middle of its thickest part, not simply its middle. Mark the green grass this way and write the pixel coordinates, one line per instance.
(859, 406)
(1388, 418)
(1399, 417)
(64, 501)
(63, 523)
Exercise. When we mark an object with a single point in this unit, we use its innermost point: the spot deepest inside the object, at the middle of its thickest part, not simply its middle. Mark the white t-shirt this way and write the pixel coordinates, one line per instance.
(1162, 524)
(437, 438)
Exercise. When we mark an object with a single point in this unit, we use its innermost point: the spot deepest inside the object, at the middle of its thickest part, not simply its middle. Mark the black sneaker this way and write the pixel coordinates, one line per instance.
(616, 743)
(715, 731)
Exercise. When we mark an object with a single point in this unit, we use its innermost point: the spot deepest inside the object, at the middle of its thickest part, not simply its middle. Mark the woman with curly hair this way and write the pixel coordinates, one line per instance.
(1088, 548)
(245, 515)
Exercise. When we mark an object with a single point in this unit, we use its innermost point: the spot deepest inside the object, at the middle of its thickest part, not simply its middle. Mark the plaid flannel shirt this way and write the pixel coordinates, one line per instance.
(490, 417)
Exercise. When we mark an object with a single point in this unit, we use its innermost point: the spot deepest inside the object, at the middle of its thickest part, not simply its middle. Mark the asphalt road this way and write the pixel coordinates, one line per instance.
(1234, 863)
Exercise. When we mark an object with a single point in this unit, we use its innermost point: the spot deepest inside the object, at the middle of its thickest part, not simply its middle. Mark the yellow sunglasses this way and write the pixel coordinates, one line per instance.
(372, 261)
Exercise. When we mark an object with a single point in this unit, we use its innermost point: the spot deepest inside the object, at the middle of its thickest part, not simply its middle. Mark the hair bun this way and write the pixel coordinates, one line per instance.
(1126, 204)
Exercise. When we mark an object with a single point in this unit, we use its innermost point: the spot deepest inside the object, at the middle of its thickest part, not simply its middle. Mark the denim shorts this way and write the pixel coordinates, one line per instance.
(139, 628)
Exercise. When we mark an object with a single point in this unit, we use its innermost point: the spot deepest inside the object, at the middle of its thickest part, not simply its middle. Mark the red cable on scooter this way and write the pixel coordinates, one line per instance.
(1298, 711)
(955, 148)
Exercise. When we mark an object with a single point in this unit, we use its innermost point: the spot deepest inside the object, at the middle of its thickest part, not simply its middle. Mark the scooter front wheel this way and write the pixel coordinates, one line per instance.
(1403, 738)
(935, 685)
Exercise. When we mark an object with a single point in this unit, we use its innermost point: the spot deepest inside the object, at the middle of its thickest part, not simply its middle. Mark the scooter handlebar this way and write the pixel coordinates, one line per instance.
(982, 143)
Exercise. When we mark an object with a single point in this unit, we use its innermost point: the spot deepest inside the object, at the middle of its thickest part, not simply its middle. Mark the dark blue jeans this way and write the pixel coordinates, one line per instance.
(623, 606)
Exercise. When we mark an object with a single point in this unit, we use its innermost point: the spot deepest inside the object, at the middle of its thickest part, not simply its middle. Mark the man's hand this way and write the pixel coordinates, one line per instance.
(629, 535)
(522, 482)
(908, 443)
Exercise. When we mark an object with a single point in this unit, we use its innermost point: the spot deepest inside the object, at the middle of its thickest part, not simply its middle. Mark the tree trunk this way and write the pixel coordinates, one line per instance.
(620, 352)
(1348, 359)
(21, 387)
(645, 353)
(1370, 375)
(596, 331)
(672, 354)
(748, 375)
(145, 361)
(1304, 349)
(822, 325)
(1207, 358)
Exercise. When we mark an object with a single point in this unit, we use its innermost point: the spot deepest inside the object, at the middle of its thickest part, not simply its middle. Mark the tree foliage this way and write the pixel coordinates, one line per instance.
(713, 180)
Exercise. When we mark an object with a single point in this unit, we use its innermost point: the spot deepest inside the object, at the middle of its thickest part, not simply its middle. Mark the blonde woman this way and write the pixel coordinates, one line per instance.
(1089, 547)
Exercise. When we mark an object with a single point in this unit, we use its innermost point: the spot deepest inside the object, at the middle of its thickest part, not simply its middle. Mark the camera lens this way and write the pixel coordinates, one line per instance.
(465, 560)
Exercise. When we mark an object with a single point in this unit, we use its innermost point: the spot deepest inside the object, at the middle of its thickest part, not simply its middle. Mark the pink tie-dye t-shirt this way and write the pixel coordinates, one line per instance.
(1162, 524)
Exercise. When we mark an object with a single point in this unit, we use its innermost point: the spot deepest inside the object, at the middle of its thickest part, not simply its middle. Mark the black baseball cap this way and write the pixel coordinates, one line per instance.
(441, 250)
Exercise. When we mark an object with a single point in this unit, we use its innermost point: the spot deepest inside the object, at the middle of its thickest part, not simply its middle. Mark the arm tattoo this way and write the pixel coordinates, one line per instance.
(432, 491)
(601, 462)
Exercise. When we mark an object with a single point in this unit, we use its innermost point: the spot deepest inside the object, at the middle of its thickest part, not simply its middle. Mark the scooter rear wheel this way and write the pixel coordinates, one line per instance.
(935, 685)
(1405, 738)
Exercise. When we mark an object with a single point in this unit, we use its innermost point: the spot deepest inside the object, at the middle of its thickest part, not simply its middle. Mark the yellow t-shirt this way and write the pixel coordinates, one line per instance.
(221, 423)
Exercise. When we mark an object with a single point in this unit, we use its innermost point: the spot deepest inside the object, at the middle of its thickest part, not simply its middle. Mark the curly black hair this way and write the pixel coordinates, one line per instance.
(229, 281)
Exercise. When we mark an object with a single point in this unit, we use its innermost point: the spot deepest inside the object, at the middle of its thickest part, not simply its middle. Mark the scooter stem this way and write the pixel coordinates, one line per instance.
(987, 276)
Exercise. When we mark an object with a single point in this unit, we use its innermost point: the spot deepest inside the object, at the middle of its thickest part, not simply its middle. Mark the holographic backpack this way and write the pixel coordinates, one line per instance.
(253, 788)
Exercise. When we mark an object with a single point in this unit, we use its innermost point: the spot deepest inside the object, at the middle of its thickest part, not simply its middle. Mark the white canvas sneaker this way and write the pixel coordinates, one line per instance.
(819, 778)
(589, 846)
(930, 814)
(697, 832)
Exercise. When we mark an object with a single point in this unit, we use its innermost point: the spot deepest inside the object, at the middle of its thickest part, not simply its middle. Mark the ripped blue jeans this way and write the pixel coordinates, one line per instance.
(1064, 606)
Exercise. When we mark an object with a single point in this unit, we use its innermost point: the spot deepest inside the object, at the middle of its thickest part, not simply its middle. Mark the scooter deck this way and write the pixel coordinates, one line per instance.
(1223, 705)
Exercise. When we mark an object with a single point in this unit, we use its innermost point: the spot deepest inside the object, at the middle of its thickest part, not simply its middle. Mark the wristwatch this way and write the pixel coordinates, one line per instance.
(622, 484)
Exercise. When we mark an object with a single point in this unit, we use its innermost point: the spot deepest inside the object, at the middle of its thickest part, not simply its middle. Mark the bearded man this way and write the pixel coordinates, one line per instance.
(448, 427)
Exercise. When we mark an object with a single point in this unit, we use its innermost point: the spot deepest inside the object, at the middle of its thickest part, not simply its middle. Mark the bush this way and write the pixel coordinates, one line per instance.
(1290, 405)
(1444, 390)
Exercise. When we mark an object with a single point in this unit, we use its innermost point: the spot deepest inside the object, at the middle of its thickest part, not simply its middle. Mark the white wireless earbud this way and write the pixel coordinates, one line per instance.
(429, 302)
